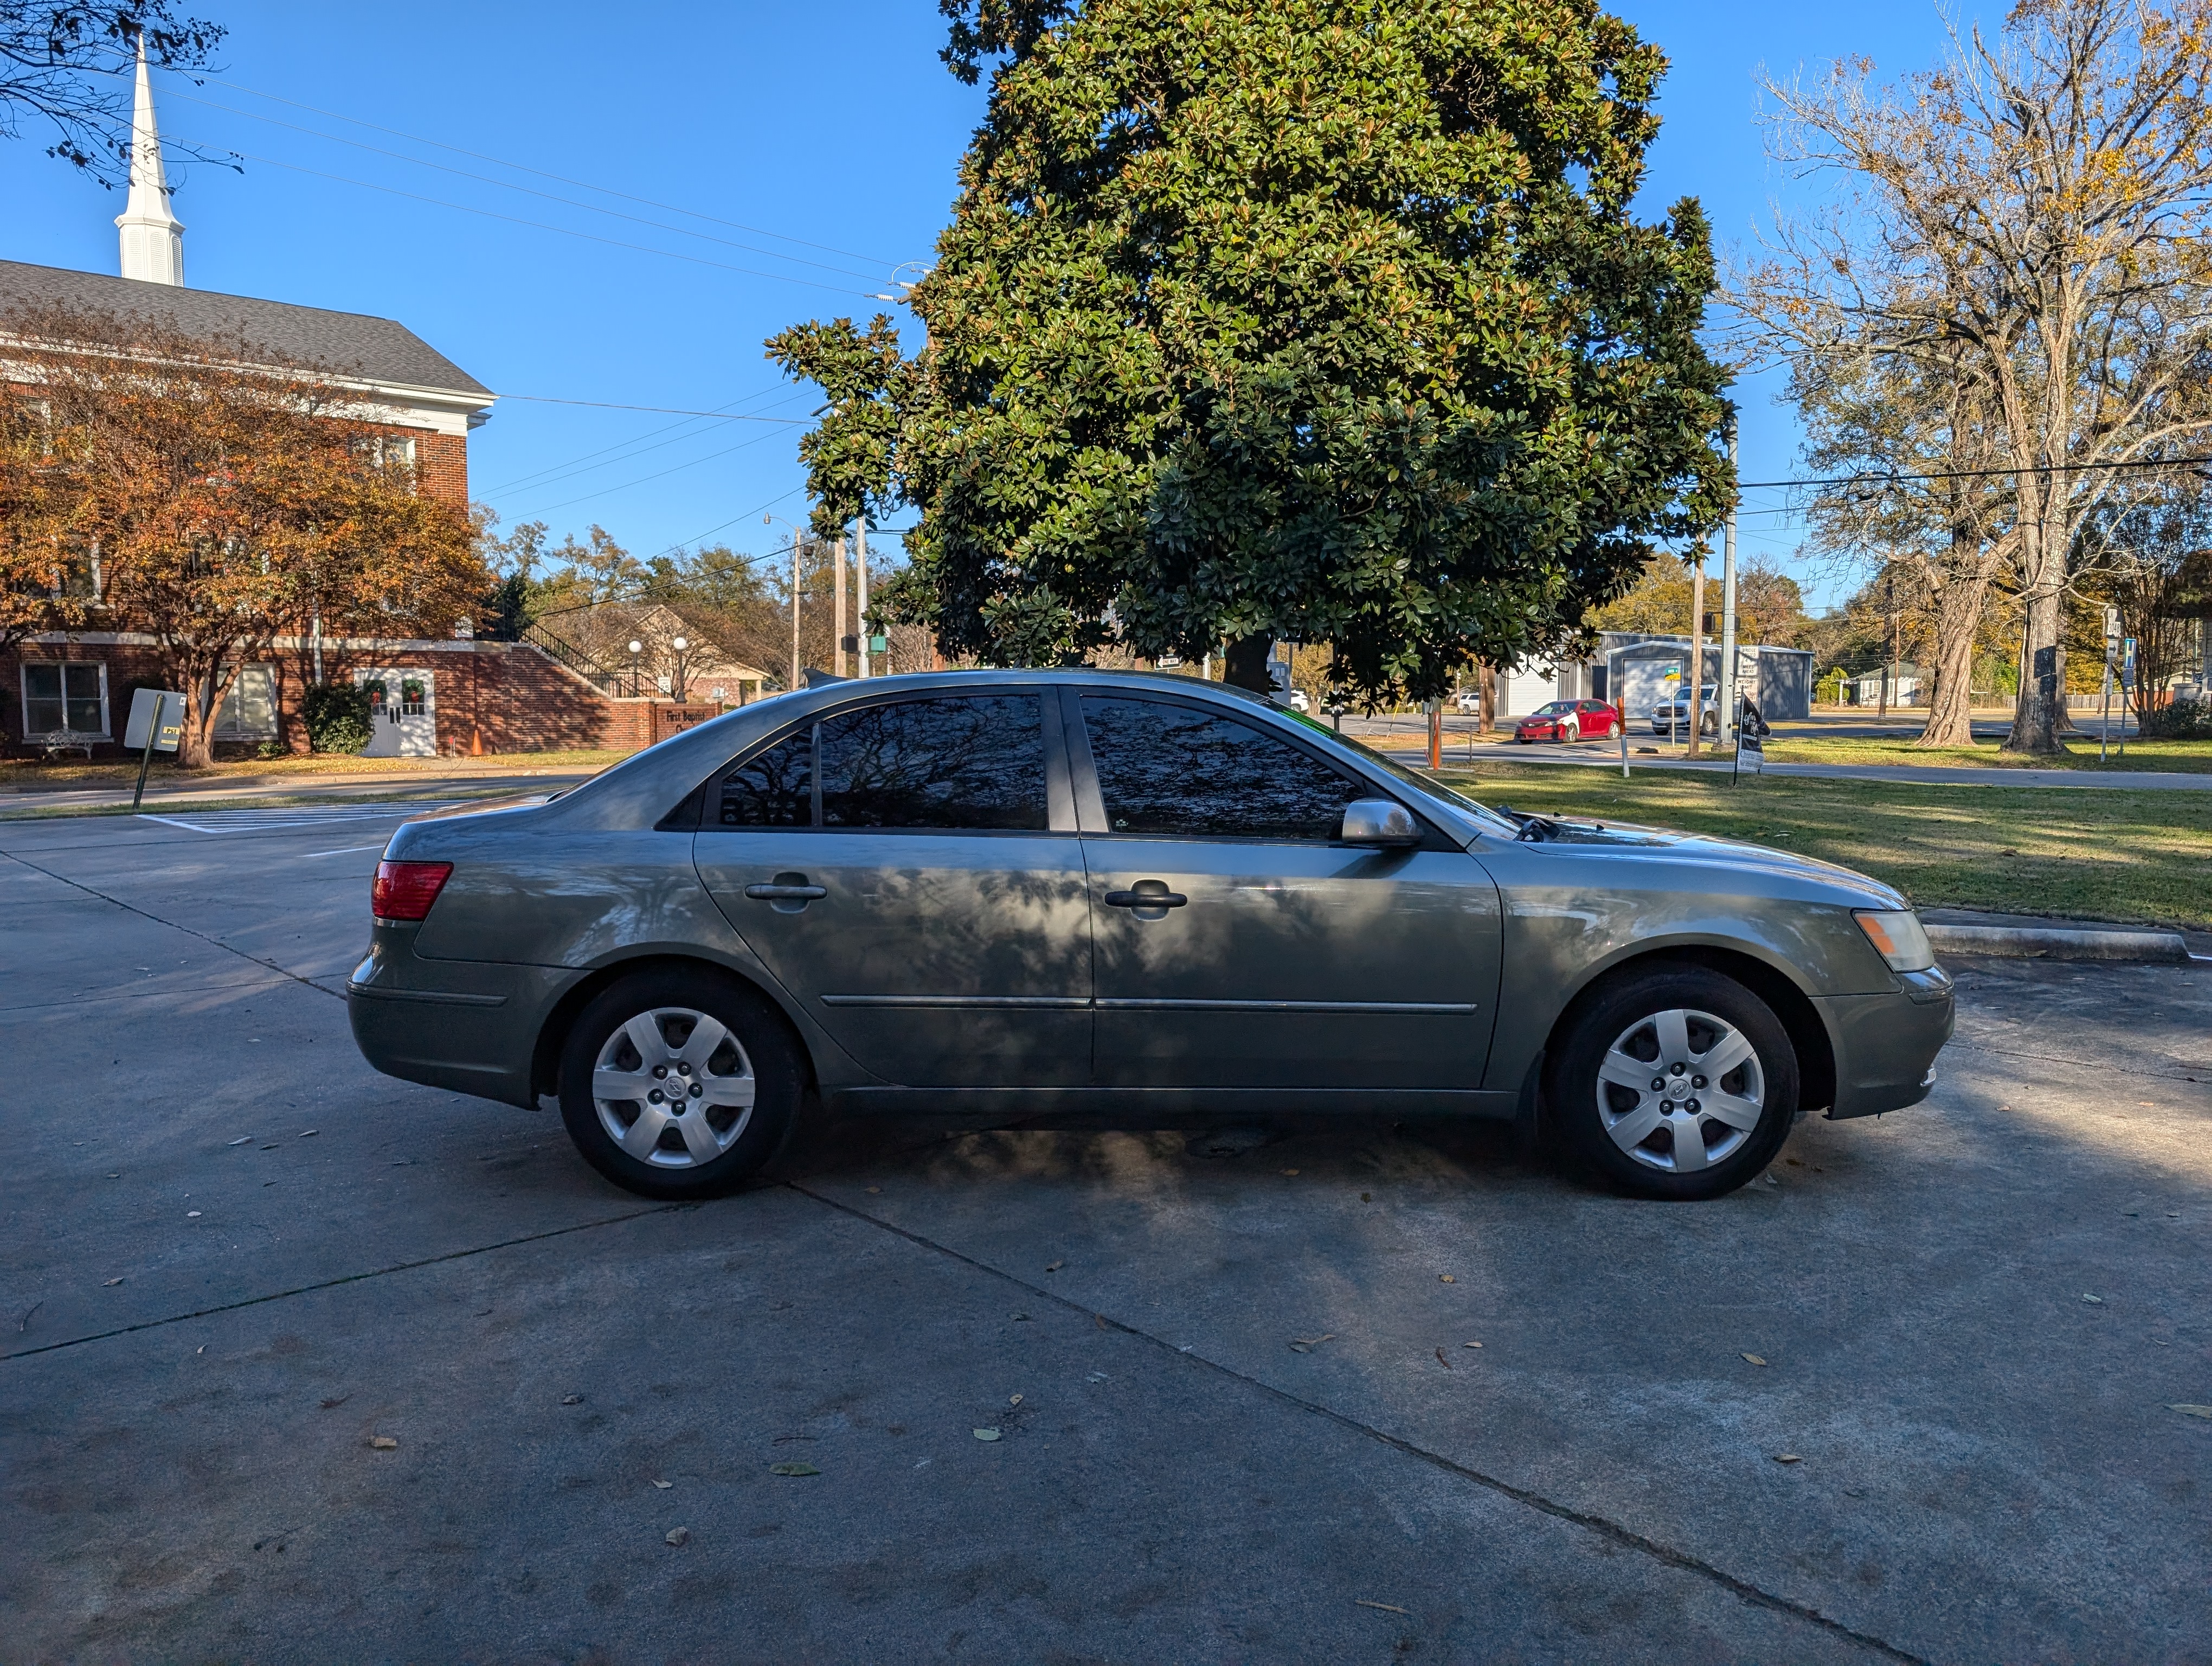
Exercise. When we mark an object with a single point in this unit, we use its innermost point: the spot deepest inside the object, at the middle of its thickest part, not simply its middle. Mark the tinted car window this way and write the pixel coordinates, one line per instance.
(960, 762)
(1167, 769)
(773, 788)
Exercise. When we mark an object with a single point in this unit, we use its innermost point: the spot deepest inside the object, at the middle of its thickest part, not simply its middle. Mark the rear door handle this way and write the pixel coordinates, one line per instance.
(1162, 898)
(785, 893)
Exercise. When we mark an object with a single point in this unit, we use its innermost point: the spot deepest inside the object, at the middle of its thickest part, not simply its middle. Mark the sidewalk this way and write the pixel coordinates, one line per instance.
(441, 778)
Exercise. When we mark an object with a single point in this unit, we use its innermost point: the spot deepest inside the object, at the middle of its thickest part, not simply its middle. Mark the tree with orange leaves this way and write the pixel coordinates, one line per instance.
(217, 495)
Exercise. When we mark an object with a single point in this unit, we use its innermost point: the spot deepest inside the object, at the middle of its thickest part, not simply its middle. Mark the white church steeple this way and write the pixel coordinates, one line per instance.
(153, 237)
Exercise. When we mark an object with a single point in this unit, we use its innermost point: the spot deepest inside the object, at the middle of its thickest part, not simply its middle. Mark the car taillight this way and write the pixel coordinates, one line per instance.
(405, 890)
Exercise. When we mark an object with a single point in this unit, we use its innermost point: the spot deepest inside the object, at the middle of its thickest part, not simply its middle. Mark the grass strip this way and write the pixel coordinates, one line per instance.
(2141, 857)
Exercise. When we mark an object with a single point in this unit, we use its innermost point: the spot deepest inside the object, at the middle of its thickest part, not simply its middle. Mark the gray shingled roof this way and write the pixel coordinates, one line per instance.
(342, 343)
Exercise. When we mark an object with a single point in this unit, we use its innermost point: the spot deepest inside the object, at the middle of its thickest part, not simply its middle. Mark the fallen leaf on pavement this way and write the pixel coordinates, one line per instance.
(1387, 1608)
(1366, 1198)
(1308, 1344)
(1055, 1266)
(1441, 1360)
(332, 1405)
(663, 1485)
(1014, 1401)
(1470, 1344)
(986, 1434)
(1788, 1457)
(678, 1536)
(1446, 1278)
(571, 1399)
(1097, 1377)
(2192, 1411)
(383, 1442)
(2095, 1301)
(194, 1214)
(1290, 1171)
(1754, 1359)
(109, 1283)
(875, 1191)
(243, 1139)
(795, 1466)
(310, 1134)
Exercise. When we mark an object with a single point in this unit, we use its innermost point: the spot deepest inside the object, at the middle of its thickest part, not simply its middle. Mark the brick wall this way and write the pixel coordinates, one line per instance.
(442, 466)
(492, 697)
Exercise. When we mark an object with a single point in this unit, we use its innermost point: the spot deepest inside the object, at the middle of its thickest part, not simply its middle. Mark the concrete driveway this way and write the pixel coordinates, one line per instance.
(1910, 1398)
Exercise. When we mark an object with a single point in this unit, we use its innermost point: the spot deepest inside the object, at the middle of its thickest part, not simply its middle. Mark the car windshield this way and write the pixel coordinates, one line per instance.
(1554, 709)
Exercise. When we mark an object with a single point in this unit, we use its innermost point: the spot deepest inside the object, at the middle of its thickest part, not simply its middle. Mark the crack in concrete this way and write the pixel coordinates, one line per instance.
(345, 1278)
(147, 913)
(2078, 1064)
(1612, 1531)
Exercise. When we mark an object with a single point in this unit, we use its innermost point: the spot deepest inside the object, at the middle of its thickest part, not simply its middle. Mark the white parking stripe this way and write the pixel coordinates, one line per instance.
(259, 821)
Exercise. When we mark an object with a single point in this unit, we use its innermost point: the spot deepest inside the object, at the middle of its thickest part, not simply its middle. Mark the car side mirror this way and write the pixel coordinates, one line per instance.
(1379, 821)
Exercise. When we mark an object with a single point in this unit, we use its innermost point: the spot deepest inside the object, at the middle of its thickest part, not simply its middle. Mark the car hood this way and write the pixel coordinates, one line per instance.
(1633, 842)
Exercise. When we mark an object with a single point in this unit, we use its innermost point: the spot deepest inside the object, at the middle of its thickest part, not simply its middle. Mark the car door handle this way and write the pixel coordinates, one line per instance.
(785, 893)
(1146, 899)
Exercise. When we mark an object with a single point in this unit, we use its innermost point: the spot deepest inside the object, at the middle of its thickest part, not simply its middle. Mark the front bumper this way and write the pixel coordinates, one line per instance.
(1886, 1045)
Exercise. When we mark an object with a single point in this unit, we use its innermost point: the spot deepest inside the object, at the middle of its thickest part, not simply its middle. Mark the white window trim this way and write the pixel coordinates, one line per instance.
(57, 737)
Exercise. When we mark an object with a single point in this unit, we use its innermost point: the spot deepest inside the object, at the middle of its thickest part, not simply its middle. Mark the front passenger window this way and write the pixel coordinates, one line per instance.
(1174, 770)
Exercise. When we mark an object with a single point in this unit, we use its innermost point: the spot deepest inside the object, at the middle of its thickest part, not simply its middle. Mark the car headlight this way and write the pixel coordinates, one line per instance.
(1897, 938)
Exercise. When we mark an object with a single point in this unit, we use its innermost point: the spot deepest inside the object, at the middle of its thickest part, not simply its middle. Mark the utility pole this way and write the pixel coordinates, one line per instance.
(1697, 649)
(796, 543)
(861, 610)
(1889, 639)
(1728, 705)
(838, 612)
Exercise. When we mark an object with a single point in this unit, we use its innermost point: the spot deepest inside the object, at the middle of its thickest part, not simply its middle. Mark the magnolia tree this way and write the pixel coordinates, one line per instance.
(1317, 320)
(214, 497)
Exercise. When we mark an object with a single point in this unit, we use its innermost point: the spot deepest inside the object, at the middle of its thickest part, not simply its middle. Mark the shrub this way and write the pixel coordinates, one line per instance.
(2184, 720)
(337, 718)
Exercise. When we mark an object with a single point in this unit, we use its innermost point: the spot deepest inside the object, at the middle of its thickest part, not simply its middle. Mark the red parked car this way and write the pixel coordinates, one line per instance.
(1569, 721)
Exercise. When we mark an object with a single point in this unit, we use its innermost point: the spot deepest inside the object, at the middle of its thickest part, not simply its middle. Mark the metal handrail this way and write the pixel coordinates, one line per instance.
(559, 649)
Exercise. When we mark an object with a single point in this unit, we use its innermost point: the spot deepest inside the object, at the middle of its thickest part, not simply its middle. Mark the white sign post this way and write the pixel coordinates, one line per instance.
(156, 724)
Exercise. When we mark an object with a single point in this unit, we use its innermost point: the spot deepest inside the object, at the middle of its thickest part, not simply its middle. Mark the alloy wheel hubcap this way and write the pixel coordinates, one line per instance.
(1680, 1091)
(673, 1088)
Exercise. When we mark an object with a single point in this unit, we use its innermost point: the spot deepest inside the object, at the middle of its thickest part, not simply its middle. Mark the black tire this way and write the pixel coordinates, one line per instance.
(759, 1045)
(1630, 1010)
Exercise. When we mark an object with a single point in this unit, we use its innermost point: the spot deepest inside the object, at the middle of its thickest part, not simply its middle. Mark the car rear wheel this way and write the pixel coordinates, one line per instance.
(1676, 1082)
(1613, 730)
(678, 1084)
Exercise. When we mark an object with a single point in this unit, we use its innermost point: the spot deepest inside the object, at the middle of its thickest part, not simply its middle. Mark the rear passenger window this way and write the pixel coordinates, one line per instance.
(972, 763)
(773, 788)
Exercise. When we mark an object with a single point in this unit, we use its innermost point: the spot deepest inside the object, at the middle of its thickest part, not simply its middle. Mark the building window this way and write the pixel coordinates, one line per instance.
(394, 450)
(249, 710)
(68, 697)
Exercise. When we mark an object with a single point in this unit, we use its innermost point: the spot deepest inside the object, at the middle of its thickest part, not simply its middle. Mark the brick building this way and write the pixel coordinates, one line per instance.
(68, 692)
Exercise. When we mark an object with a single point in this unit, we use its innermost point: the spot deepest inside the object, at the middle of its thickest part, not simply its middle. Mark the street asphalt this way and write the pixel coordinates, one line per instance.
(1912, 1396)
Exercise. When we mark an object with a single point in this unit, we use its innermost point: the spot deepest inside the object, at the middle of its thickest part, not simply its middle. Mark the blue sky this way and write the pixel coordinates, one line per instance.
(829, 133)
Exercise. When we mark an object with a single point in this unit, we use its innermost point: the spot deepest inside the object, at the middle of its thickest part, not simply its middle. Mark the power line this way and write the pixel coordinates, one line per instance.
(540, 225)
(559, 179)
(643, 479)
(528, 190)
(1981, 474)
(725, 416)
(621, 452)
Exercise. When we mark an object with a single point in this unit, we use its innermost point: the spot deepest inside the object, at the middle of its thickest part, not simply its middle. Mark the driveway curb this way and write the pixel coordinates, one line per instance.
(2059, 943)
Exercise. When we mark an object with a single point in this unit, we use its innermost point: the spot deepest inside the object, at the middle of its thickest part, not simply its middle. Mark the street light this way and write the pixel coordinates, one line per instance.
(682, 649)
(635, 648)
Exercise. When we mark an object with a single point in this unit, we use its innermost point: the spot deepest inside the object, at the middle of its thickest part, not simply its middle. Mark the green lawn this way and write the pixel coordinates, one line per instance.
(2092, 854)
(1795, 746)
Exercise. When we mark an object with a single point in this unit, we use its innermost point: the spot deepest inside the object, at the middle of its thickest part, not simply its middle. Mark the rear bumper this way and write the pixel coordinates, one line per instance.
(470, 1026)
(1886, 1046)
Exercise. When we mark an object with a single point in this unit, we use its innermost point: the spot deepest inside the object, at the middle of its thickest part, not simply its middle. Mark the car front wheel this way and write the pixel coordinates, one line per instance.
(1676, 1082)
(678, 1084)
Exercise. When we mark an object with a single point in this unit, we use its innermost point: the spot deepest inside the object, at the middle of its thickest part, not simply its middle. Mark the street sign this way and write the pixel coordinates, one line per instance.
(2127, 662)
(156, 724)
(156, 719)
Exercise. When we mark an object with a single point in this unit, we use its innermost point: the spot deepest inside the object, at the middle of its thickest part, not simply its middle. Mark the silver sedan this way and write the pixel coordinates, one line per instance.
(1110, 894)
